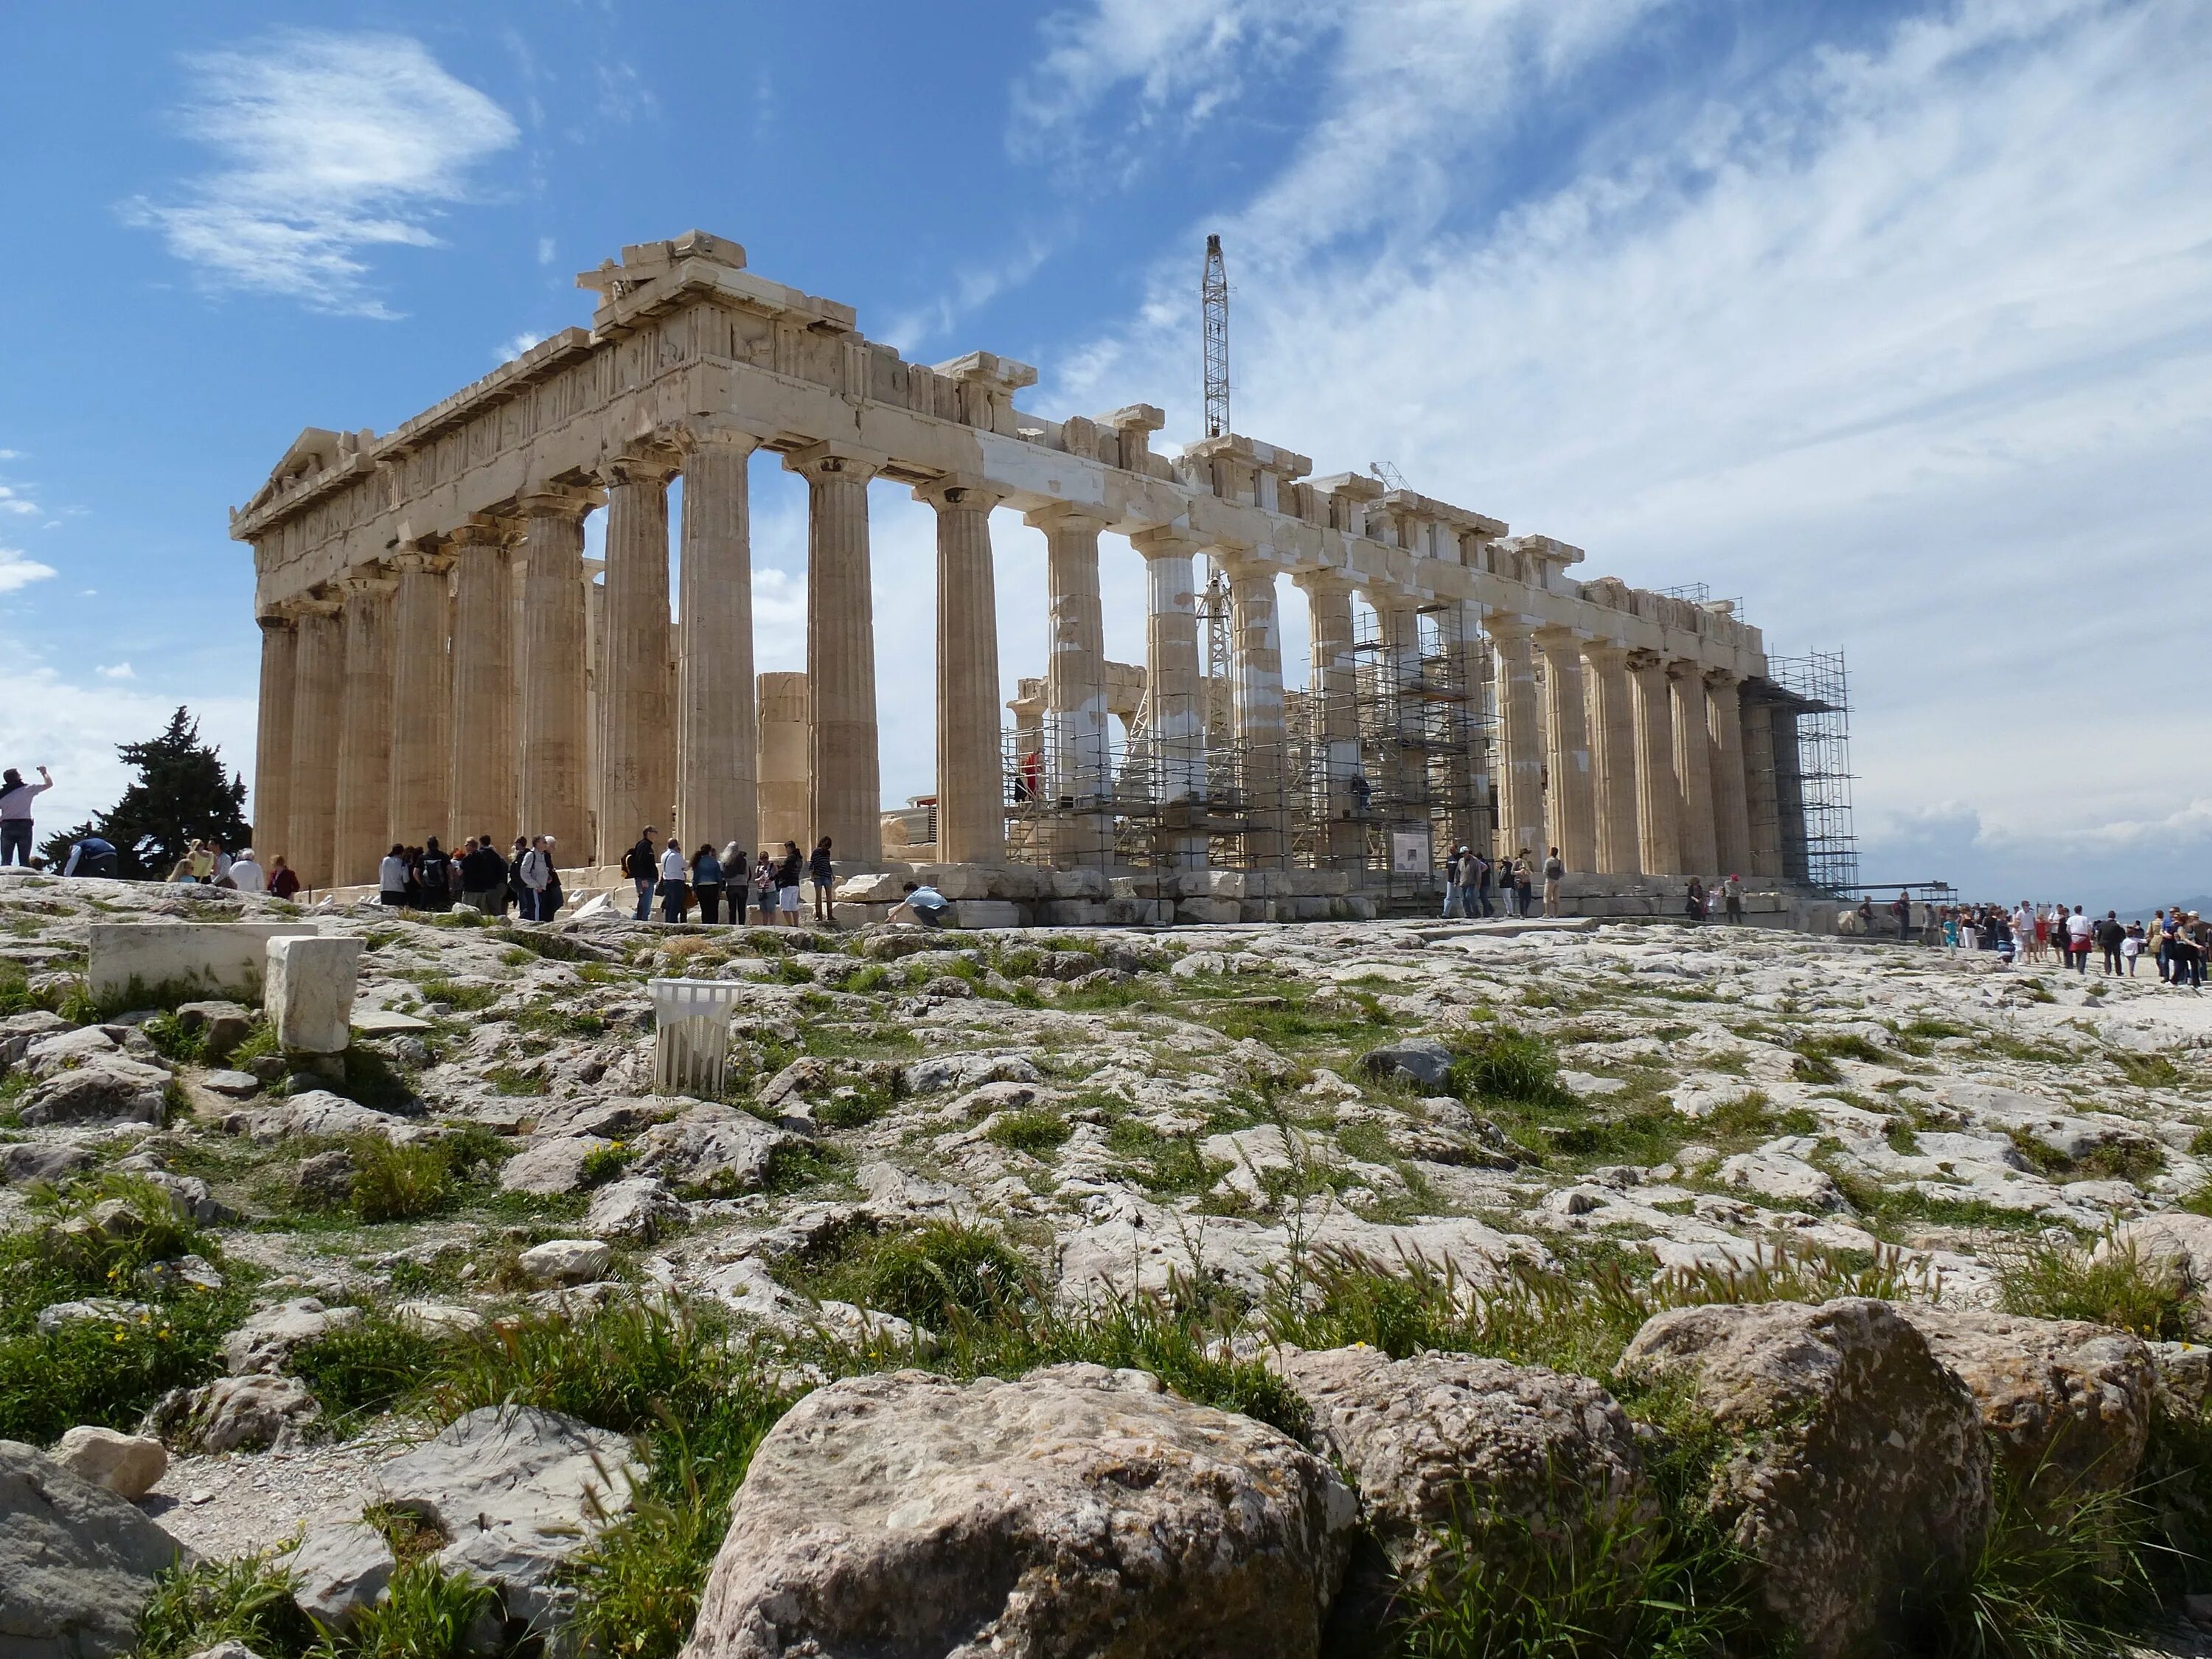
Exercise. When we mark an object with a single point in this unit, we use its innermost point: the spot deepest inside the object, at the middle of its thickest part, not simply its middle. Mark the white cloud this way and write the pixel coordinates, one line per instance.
(17, 570)
(73, 728)
(329, 145)
(11, 454)
(545, 250)
(508, 350)
(11, 501)
(1907, 344)
(121, 671)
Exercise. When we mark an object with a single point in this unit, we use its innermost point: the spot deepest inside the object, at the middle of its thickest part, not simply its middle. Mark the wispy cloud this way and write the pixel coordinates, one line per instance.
(19, 570)
(13, 500)
(121, 671)
(1907, 339)
(507, 350)
(328, 146)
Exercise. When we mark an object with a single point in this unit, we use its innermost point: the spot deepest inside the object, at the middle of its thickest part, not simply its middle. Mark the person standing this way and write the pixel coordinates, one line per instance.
(2109, 935)
(245, 874)
(1452, 904)
(2078, 929)
(550, 899)
(707, 882)
(765, 890)
(1732, 894)
(737, 887)
(2154, 941)
(788, 873)
(1524, 882)
(391, 877)
(822, 873)
(283, 879)
(483, 877)
(434, 876)
(15, 799)
(675, 886)
(1555, 872)
(641, 864)
(535, 873)
(1900, 912)
(2131, 947)
(1693, 903)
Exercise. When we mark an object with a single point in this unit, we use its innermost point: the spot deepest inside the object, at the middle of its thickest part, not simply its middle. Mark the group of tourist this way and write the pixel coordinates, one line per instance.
(2178, 941)
(1469, 878)
(479, 876)
(732, 880)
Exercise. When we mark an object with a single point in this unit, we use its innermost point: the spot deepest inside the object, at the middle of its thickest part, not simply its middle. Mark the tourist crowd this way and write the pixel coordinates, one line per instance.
(2176, 940)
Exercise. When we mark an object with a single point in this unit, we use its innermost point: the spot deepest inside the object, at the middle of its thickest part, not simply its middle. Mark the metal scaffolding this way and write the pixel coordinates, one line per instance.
(1813, 776)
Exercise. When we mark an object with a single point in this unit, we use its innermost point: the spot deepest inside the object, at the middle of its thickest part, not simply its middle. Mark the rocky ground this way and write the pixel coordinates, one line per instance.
(1229, 1120)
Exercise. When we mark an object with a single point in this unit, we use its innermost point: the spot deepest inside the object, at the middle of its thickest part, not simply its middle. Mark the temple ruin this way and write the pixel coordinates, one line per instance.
(1464, 686)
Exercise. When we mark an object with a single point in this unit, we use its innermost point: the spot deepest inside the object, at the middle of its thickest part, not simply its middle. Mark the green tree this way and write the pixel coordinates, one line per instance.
(183, 794)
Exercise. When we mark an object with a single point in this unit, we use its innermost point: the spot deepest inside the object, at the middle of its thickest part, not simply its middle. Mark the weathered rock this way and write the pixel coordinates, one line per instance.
(2174, 1247)
(114, 1088)
(268, 1337)
(635, 1209)
(321, 1115)
(1448, 1441)
(339, 1570)
(237, 1085)
(127, 1465)
(222, 1025)
(1782, 1177)
(941, 1072)
(438, 1318)
(189, 1197)
(712, 1150)
(226, 1650)
(24, 1161)
(1860, 1483)
(2185, 1376)
(1423, 1059)
(551, 1165)
(19, 1031)
(2067, 1406)
(309, 992)
(1079, 1510)
(517, 1491)
(326, 1177)
(566, 1262)
(95, 1309)
(50, 1056)
(76, 1562)
(233, 1413)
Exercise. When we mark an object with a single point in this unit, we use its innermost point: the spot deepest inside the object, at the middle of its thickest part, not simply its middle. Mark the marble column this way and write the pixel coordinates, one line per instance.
(272, 749)
(1658, 801)
(1570, 808)
(552, 679)
(1077, 751)
(844, 772)
(422, 702)
(316, 714)
(1796, 856)
(1176, 720)
(1467, 764)
(1612, 724)
(482, 657)
(971, 788)
(1521, 798)
(1731, 807)
(1759, 787)
(1693, 770)
(364, 801)
(1334, 687)
(785, 810)
(717, 739)
(1257, 681)
(637, 702)
(1406, 788)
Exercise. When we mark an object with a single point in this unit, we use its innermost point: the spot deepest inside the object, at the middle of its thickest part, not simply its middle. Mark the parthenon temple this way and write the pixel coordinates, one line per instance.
(439, 655)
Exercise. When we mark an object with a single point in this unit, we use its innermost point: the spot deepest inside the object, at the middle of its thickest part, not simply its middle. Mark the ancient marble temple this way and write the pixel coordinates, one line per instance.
(439, 657)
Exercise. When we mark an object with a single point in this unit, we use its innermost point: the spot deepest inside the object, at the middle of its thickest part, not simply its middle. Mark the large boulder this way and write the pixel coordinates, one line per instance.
(128, 1465)
(233, 1413)
(112, 1088)
(1446, 1441)
(515, 1492)
(1858, 1488)
(338, 1571)
(712, 1150)
(269, 1336)
(2067, 1406)
(552, 1163)
(1421, 1060)
(24, 1161)
(1079, 1510)
(76, 1562)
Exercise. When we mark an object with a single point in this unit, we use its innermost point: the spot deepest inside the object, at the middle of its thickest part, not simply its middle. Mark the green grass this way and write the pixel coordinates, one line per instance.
(2045, 1280)
(1499, 1064)
(369, 1366)
(1033, 1132)
(1165, 1166)
(555, 1019)
(248, 1599)
(921, 1274)
(2147, 1071)
(103, 1371)
(462, 999)
(425, 1614)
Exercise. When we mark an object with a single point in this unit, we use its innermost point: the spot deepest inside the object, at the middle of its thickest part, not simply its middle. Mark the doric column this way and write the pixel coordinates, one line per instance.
(1077, 753)
(786, 808)
(1731, 807)
(1522, 798)
(1570, 813)
(483, 792)
(1176, 720)
(1759, 787)
(552, 679)
(1466, 763)
(971, 791)
(272, 748)
(844, 772)
(1257, 681)
(364, 804)
(717, 741)
(422, 701)
(1658, 801)
(1406, 787)
(1796, 856)
(637, 703)
(1693, 769)
(316, 712)
(1612, 723)
(1334, 689)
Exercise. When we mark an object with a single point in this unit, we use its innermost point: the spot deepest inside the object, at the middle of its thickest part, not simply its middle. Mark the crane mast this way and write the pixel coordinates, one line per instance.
(1214, 298)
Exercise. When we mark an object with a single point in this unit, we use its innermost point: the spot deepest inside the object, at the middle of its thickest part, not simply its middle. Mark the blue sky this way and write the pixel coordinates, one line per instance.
(1893, 319)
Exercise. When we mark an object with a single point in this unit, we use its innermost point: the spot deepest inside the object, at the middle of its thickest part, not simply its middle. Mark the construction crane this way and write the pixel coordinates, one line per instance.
(1213, 300)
